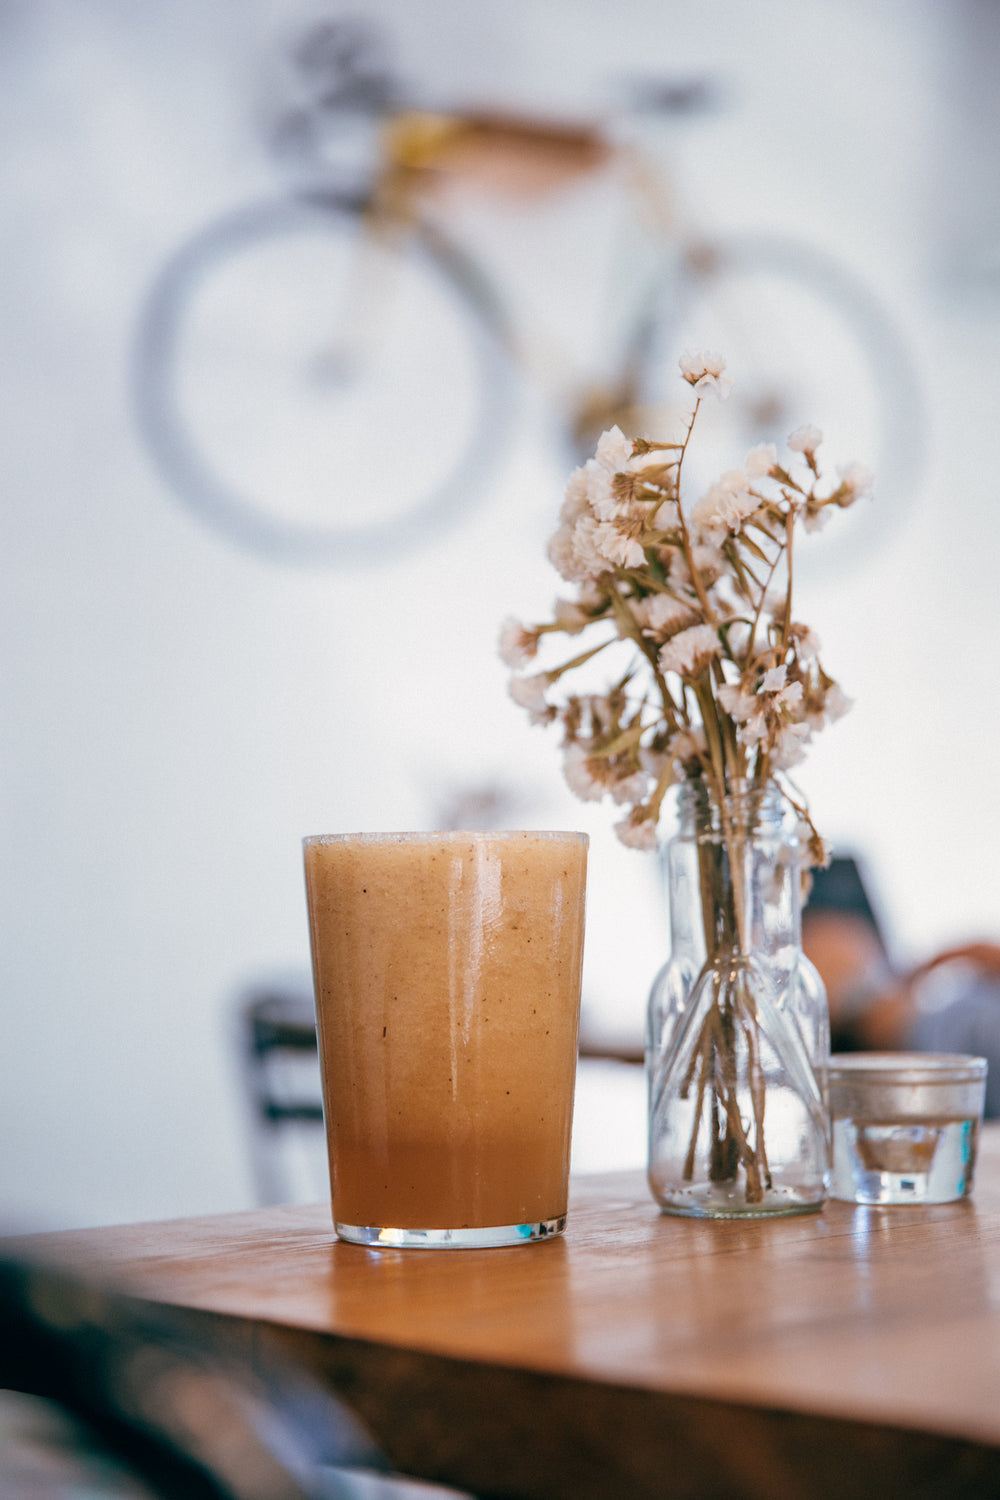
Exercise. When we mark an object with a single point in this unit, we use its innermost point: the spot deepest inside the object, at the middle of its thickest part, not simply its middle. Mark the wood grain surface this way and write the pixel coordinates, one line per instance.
(851, 1352)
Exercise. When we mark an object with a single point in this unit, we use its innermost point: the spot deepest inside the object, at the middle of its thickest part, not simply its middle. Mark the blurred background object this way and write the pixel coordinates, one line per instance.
(105, 1397)
(281, 342)
(179, 710)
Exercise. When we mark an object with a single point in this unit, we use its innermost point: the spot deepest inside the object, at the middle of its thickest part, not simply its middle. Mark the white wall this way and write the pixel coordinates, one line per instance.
(177, 713)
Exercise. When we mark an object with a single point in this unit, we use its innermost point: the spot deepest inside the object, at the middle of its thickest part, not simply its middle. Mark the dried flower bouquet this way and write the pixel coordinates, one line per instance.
(714, 683)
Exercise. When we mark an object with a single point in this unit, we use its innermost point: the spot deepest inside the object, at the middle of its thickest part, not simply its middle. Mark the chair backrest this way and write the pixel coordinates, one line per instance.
(282, 1086)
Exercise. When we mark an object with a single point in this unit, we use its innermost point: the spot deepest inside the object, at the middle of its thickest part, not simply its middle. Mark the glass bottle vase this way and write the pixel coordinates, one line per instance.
(738, 1030)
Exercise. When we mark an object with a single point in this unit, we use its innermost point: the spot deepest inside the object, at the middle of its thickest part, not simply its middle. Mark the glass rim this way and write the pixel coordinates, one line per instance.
(905, 1067)
(449, 835)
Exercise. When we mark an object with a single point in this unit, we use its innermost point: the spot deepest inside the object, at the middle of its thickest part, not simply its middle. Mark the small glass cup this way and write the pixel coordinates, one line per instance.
(447, 972)
(905, 1125)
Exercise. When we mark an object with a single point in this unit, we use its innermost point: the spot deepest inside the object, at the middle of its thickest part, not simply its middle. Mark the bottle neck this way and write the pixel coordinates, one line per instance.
(747, 809)
(734, 873)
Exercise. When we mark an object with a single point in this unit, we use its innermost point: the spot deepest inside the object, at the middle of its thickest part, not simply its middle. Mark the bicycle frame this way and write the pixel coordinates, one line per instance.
(424, 156)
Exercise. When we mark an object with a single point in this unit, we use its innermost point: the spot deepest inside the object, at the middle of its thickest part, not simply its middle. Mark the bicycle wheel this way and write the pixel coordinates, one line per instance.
(805, 340)
(319, 393)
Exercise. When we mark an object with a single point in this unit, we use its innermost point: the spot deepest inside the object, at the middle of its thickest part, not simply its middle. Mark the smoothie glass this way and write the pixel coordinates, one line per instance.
(447, 976)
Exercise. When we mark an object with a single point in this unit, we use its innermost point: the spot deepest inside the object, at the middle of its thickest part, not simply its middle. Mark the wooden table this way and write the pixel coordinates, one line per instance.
(850, 1353)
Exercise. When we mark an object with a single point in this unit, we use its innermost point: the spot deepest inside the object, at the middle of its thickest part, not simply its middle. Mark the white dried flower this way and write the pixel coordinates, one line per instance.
(705, 517)
(820, 852)
(591, 488)
(614, 450)
(836, 704)
(805, 439)
(704, 371)
(578, 769)
(629, 789)
(661, 615)
(678, 574)
(738, 635)
(857, 481)
(576, 501)
(790, 697)
(709, 561)
(667, 516)
(753, 731)
(529, 693)
(518, 643)
(637, 833)
(589, 558)
(601, 490)
(690, 651)
(591, 596)
(571, 618)
(561, 553)
(725, 506)
(738, 704)
(617, 546)
(761, 460)
(815, 517)
(789, 746)
(773, 679)
(807, 642)
(775, 599)
(803, 831)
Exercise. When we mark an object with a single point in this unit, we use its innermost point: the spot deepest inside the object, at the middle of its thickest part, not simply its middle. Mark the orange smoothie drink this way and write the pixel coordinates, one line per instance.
(447, 974)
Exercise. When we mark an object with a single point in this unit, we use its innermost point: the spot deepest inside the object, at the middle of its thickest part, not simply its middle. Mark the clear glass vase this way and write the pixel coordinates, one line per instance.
(738, 1030)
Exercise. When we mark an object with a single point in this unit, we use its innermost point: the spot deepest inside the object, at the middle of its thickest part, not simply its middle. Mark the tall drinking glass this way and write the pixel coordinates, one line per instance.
(447, 975)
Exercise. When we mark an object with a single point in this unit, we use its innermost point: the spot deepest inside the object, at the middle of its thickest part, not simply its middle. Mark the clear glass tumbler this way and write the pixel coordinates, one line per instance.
(905, 1125)
(447, 975)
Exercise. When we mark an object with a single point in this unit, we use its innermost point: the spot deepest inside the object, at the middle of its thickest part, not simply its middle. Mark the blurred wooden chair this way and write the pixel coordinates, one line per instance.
(283, 1091)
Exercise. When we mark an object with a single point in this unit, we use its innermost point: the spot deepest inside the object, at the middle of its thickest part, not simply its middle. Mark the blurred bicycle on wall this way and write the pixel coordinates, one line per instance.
(330, 376)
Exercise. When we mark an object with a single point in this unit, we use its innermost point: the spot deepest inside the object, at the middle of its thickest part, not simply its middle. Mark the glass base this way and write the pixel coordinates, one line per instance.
(712, 1201)
(905, 1161)
(487, 1237)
